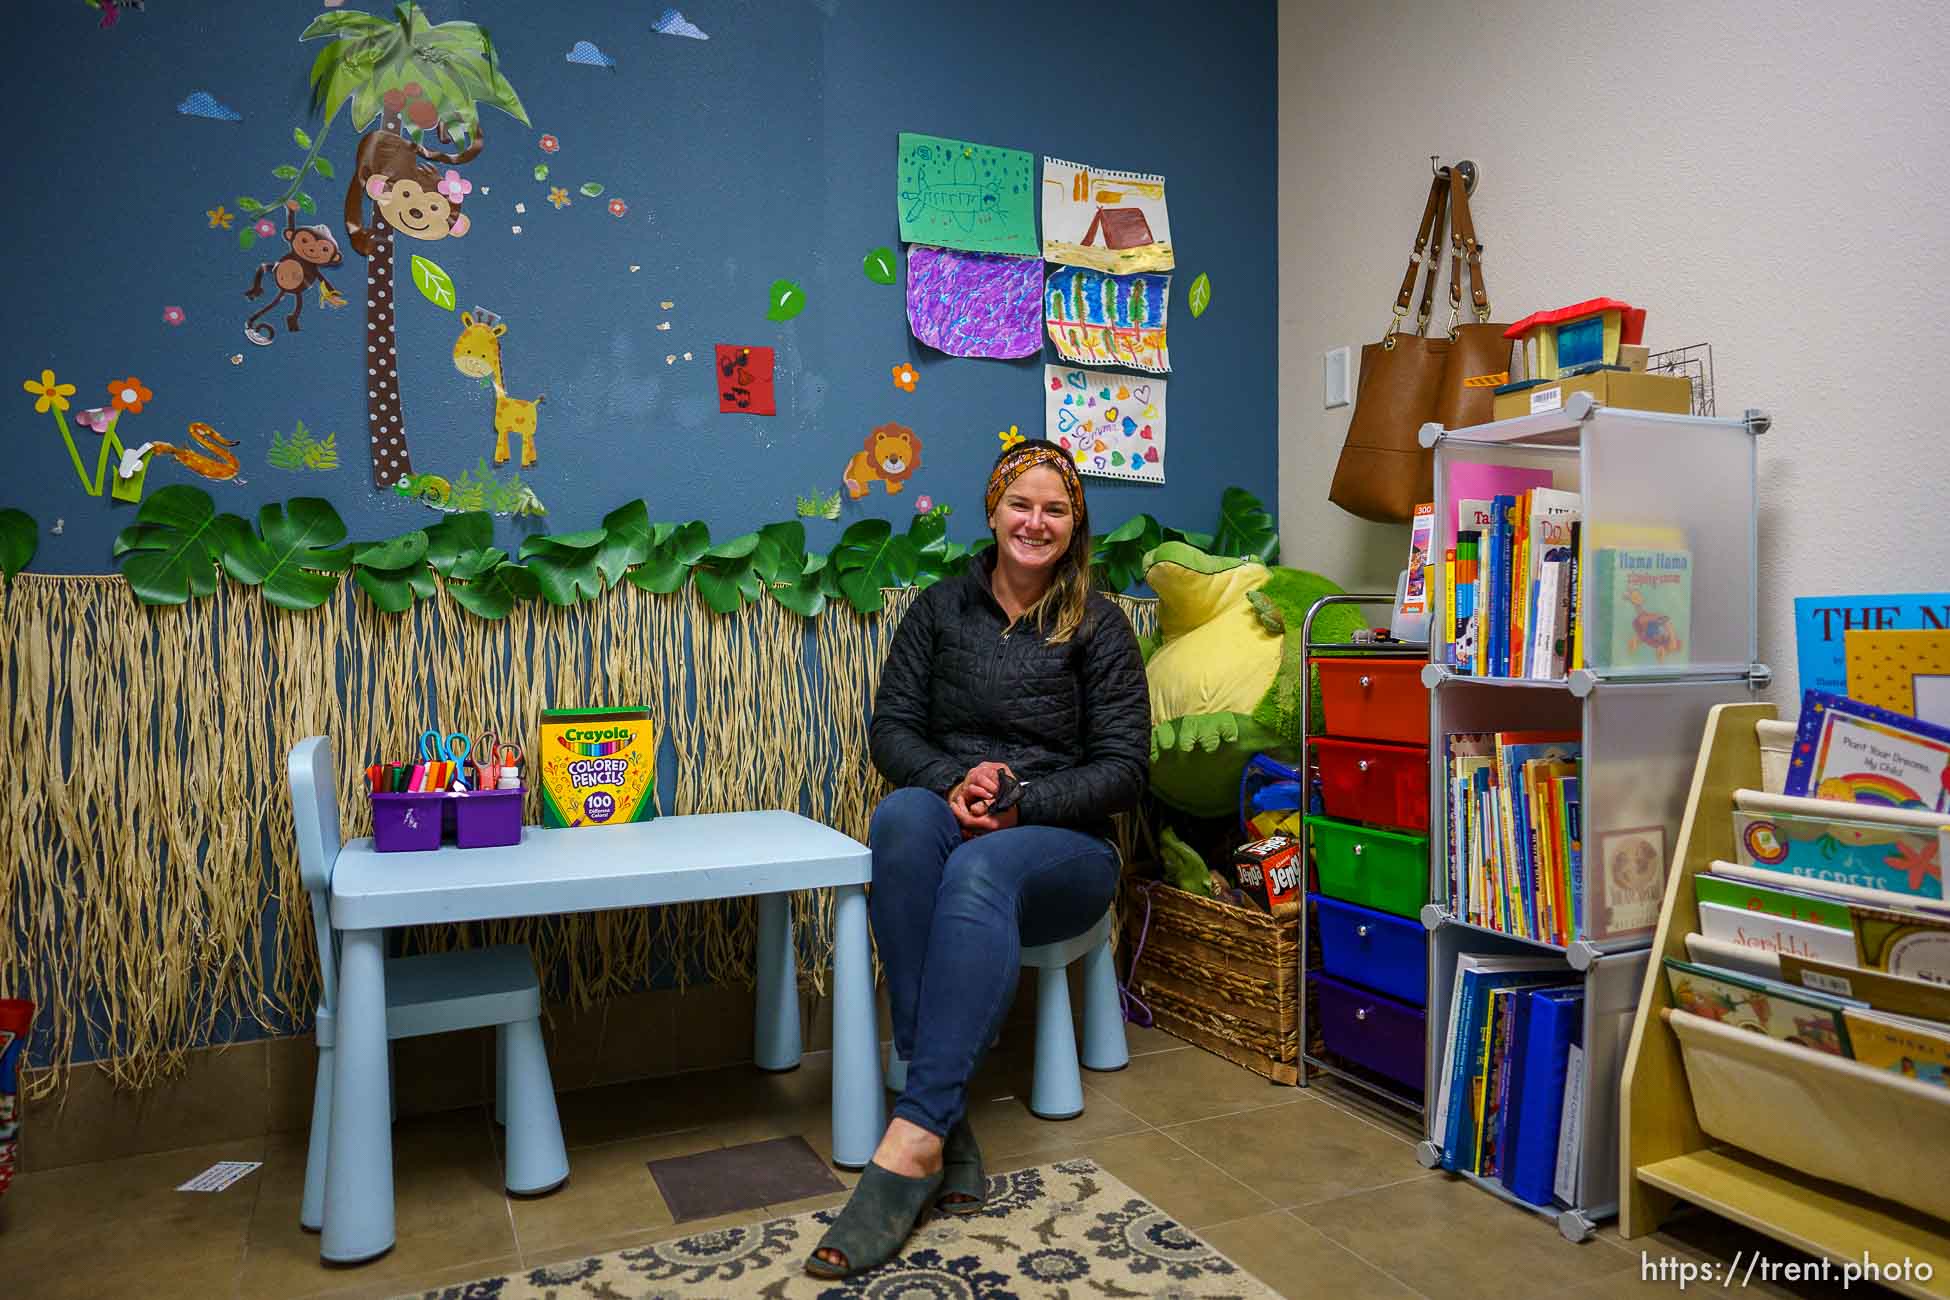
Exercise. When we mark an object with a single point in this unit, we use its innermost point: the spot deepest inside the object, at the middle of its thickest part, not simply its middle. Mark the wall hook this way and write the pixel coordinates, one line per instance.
(1466, 167)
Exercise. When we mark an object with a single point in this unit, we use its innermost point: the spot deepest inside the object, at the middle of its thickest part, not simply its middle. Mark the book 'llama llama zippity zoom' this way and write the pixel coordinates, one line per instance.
(1644, 597)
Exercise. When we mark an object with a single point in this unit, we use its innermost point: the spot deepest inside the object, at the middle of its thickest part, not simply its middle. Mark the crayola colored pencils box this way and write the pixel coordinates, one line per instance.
(598, 767)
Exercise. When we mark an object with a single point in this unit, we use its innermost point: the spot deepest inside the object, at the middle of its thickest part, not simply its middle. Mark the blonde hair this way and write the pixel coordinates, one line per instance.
(1068, 597)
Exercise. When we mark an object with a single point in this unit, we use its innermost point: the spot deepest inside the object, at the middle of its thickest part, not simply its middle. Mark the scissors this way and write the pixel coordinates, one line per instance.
(452, 748)
(495, 755)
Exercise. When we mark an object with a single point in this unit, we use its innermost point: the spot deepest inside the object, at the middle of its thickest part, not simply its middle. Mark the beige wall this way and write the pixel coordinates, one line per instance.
(1772, 178)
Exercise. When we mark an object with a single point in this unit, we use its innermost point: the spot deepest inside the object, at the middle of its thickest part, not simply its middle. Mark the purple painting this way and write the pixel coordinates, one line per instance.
(975, 304)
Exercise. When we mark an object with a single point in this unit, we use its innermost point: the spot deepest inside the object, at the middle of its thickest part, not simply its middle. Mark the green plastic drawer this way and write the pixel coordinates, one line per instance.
(1385, 870)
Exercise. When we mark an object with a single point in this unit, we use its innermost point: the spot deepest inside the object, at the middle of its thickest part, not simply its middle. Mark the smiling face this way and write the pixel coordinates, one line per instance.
(414, 211)
(1033, 522)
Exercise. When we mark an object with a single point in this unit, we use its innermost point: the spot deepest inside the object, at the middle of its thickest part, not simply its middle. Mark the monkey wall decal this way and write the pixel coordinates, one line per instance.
(417, 192)
(309, 250)
(405, 186)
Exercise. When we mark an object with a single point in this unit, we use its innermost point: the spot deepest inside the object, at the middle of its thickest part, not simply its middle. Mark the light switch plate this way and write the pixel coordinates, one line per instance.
(1335, 381)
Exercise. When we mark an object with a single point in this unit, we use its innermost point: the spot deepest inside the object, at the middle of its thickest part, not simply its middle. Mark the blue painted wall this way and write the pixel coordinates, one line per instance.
(767, 151)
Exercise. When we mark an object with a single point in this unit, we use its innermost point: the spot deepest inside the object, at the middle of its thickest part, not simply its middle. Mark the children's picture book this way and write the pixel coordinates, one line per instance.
(1774, 933)
(1821, 624)
(1478, 481)
(1642, 601)
(1905, 672)
(1547, 538)
(1845, 847)
(1415, 596)
(1900, 995)
(1461, 609)
(1570, 1130)
(1858, 753)
(1779, 1010)
(1914, 944)
(1914, 1049)
(1631, 879)
(1734, 957)
(1792, 904)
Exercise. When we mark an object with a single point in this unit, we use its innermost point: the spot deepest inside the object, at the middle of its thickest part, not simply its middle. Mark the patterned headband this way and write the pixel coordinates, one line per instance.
(1036, 453)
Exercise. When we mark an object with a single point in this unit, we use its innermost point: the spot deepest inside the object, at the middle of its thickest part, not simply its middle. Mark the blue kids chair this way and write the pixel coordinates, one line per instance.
(1057, 1092)
(427, 994)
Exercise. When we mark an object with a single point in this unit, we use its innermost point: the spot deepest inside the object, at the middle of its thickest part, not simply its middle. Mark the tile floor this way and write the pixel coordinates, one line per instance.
(1315, 1191)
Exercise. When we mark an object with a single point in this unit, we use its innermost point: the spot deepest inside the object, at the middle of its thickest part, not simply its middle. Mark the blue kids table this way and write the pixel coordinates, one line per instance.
(669, 860)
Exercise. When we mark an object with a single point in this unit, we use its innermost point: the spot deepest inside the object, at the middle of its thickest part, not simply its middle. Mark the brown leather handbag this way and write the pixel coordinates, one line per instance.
(1408, 380)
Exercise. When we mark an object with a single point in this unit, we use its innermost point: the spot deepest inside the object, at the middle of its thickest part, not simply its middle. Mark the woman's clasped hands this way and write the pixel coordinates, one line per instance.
(971, 796)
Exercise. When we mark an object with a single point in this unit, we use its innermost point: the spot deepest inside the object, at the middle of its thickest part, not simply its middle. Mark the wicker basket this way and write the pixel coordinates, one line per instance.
(1220, 977)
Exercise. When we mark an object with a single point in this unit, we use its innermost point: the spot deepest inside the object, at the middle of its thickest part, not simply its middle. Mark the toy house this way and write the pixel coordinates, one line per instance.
(1571, 340)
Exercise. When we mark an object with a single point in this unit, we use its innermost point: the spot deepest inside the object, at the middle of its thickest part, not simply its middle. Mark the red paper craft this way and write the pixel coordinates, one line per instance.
(745, 380)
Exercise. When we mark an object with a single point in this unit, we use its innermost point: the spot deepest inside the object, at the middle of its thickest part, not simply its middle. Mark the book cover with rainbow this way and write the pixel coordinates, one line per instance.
(1858, 753)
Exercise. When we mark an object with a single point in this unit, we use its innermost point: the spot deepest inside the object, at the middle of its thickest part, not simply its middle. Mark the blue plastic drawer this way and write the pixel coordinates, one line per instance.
(1384, 952)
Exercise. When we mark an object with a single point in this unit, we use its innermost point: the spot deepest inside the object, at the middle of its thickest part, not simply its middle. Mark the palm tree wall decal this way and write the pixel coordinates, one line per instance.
(421, 82)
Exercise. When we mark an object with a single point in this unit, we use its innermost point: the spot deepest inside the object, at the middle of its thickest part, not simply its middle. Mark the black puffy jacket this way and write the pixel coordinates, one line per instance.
(1072, 720)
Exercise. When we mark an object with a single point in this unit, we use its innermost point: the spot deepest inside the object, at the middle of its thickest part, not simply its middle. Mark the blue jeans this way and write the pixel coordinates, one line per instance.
(951, 918)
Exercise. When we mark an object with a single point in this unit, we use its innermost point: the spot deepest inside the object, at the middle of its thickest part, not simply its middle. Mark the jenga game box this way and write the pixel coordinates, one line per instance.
(1268, 871)
(599, 767)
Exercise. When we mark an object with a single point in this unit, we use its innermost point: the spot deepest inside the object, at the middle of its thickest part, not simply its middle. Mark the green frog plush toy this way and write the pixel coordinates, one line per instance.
(1224, 669)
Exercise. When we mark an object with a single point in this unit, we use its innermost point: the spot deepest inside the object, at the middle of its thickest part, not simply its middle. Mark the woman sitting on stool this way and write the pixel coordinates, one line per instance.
(1013, 716)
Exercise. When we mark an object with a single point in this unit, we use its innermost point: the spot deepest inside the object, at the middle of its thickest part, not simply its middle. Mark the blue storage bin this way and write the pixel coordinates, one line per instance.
(1382, 951)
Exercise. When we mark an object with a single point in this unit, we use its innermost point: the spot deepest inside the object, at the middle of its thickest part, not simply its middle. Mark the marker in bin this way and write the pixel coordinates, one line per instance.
(445, 755)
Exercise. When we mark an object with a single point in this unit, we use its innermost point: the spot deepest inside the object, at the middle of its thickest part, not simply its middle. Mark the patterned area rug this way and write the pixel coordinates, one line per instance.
(1067, 1231)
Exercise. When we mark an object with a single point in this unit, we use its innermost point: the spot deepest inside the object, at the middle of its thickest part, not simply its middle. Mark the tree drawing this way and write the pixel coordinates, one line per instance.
(421, 83)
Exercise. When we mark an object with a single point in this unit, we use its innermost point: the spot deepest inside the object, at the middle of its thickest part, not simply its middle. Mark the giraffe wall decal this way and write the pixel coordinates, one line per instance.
(477, 354)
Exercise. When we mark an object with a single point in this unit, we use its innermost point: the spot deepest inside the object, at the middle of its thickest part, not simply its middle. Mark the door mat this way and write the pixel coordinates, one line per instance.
(744, 1177)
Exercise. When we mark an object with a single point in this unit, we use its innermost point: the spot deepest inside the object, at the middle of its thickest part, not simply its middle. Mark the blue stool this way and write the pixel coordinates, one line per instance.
(1057, 1092)
(427, 994)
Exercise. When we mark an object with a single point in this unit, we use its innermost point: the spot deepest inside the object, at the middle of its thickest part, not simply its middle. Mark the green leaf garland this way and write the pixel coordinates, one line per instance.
(20, 537)
(178, 542)
(172, 550)
(294, 556)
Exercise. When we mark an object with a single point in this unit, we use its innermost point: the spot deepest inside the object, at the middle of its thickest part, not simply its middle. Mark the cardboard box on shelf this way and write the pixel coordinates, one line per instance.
(1630, 389)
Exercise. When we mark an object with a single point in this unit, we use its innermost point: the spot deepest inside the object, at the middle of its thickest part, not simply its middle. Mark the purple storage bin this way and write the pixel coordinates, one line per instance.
(1372, 1029)
(1384, 952)
(408, 823)
(486, 818)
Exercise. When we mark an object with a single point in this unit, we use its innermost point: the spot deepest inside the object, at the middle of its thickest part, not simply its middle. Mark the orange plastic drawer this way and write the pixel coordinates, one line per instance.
(1367, 781)
(1380, 699)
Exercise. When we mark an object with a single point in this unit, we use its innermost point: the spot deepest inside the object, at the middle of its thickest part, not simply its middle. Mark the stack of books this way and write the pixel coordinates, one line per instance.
(1789, 945)
(1510, 1105)
(1516, 578)
(1512, 586)
(1515, 833)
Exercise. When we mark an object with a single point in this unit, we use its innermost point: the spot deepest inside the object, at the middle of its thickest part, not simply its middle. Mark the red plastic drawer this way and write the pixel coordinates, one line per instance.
(1380, 699)
(1367, 781)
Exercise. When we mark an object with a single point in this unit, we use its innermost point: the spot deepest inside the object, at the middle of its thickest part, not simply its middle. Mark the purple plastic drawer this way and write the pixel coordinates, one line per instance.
(486, 818)
(1386, 953)
(1372, 1029)
(407, 823)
